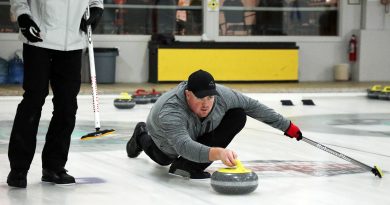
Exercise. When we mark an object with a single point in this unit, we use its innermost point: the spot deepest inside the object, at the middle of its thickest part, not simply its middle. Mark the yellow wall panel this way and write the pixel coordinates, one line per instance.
(229, 64)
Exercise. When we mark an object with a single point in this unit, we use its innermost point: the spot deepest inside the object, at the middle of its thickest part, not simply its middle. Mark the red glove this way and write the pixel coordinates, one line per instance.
(293, 132)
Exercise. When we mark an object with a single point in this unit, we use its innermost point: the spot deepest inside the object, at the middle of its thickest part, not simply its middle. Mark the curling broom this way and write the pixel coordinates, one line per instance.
(98, 132)
(375, 170)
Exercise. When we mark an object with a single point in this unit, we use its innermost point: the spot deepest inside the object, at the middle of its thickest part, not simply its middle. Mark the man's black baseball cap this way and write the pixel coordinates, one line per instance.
(202, 84)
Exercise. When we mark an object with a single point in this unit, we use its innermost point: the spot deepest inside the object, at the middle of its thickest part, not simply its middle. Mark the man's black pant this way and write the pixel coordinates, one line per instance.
(231, 124)
(60, 69)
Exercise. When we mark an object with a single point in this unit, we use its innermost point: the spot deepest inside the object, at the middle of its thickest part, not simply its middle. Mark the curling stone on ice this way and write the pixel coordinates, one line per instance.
(141, 96)
(154, 95)
(124, 101)
(238, 180)
(374, 91)
(385, 93)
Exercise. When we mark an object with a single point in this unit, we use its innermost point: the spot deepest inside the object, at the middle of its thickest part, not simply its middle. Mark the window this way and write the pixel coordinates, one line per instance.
(185, 17)
(136, 17)
(279, 17)
(7, 21)
(144, 17)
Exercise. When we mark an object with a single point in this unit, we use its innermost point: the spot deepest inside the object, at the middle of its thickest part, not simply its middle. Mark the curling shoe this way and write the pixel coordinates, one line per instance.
(132, 148)
(60, 177)
(17, 179)
(178, 168)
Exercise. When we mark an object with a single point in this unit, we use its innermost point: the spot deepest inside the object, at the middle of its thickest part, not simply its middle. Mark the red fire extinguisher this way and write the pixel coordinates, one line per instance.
(352, 49)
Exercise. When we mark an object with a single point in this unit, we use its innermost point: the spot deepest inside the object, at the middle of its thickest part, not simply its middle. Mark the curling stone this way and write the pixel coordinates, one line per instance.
(141, 99)
(385, 93)
(374, 91)
(154, 95)
(140, 96)
(234, 181)
(124, 101)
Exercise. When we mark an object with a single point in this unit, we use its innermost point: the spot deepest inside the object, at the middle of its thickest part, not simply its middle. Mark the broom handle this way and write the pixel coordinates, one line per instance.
(336, 153)
(93, 74)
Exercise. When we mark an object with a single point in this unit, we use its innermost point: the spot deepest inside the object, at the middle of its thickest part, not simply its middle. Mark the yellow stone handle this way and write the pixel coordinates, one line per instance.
(239, 165)
(125, 96)
(238, 169)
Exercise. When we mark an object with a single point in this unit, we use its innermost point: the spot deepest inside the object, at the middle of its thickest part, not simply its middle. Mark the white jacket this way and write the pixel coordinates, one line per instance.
(58, 20)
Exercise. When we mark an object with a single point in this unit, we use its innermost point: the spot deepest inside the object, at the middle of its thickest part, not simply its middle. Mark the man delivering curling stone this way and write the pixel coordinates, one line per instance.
(191, 125)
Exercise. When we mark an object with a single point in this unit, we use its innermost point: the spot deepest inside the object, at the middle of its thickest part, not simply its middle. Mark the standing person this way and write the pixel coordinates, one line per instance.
(191, 126)
(181, 17)
(53, 38)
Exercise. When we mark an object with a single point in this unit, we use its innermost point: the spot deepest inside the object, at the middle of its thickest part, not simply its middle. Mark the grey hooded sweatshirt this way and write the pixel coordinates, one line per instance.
(174, 128)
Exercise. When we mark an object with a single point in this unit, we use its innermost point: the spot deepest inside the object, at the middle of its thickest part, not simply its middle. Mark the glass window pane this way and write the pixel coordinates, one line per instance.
(189, 17)
(7, 21)
(279, 17)
(144, 17)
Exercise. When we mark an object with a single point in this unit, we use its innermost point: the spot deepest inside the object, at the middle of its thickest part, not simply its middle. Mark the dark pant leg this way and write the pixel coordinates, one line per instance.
(65, 82)
(231, 124)
(35, 84)
(151, 149)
